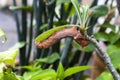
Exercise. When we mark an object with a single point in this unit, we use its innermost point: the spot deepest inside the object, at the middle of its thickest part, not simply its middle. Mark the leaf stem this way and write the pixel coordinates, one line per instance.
(105, 57)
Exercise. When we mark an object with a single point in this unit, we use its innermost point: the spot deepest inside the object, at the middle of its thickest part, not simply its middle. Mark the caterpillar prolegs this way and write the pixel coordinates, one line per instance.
(65, 32)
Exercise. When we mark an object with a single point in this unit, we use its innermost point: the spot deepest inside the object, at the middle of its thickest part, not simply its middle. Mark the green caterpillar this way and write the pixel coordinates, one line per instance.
(48, 33)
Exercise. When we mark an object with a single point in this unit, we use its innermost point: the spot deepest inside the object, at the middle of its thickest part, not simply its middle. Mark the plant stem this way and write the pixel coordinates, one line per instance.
(65, 52)
(38, 12)
(67, 46)
(118, 5)
(75, 58)
(30, 38)
(93, 20)
(68, 11)
(84, 61)
(17, 21)
(23, 36)
(52, 9)
(105, 57)
(62, 10)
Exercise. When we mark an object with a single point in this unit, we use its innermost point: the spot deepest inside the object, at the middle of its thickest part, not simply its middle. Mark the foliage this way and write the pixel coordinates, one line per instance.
(82, 13)
(105, 75)
(54, 14)
(7, 59)
(101, 10)
(51, 74)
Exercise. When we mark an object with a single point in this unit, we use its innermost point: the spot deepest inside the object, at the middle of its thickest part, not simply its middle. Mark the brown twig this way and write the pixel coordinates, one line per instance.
(67, 32)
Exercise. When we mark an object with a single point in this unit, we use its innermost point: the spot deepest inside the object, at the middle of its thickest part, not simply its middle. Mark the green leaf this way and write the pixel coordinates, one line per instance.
(31, 67)
(60, 22)
(26, 8)
(2, 34)
(20, 77)
(101, 10)
(75, 69)
(48, 33)
(29, 75)
(60, 72)
(108, 25)
(62, 1)
(101, 36)
(105, 76)
(47, 74)
(1, 67)
(18, 45)
(77, 8)
(114, 37)
(8, 56)
(1, 76)
(82, 13)
(71, 11)
(49, 59)
(44, 26)
(88, 48)
(113, 51)
(9, 75)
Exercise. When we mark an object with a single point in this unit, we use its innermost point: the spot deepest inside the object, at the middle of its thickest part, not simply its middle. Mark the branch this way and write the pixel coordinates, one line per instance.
(106, 58)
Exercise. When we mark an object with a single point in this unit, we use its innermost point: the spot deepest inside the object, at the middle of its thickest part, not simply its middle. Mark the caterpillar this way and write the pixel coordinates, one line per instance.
(58, 35)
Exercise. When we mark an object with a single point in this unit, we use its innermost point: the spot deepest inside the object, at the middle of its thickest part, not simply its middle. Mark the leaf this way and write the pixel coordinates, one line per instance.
(77, 8)
(44, 26)
(114, 37)
(105, 76)
(31, 67)
(75, 69)
(2, 34)
(108, 25)
(101, 10)
(9, 75)
(26, 8)
(8, 56)
(18, 45)
(113, 51)
(111, 37)
(60, 72)
(101, 36)
(62, 1)
(60, 22)
(88, 48)
(47, 74)
(84, 14)
(29, 75)
(48, 33)
(20, 77)
(49, 59)
(68, 6)
(1, 67)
